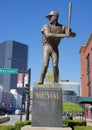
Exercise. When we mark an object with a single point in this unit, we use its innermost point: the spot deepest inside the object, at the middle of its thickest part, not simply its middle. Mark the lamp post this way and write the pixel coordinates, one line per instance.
(28, 94)
(22, 99)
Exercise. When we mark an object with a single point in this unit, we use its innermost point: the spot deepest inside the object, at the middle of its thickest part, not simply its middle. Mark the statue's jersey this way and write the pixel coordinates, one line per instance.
(54, 41)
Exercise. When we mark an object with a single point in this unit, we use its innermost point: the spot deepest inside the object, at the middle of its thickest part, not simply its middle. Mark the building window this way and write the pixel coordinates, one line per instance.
(88, 63)
(88, 75)
(89, 89)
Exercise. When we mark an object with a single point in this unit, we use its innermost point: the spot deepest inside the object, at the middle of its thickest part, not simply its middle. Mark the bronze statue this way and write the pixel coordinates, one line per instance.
(52, 34)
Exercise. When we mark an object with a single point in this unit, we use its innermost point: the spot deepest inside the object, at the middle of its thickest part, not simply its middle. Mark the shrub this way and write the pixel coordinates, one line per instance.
(73, 123)
(18, 125)
(83, 128)
(7, 127)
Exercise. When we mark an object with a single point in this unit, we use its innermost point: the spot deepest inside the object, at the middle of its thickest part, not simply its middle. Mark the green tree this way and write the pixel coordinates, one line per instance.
(71, 107)
(49, 77)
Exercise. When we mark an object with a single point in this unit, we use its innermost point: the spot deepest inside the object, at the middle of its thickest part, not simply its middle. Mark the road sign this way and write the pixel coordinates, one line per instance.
(8, 71)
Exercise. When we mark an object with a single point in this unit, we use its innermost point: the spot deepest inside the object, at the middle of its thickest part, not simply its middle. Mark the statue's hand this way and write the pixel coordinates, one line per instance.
(67, 34)
(72, 34)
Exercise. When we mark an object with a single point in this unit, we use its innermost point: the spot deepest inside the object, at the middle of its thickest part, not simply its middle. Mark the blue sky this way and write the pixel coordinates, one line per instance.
(22, 20)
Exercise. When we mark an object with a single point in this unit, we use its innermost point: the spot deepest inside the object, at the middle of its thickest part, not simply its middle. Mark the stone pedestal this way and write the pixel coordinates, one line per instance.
(47, 106)
(45, 128)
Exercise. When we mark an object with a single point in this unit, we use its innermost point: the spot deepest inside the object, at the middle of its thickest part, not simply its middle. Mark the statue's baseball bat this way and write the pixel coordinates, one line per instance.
(69, 15)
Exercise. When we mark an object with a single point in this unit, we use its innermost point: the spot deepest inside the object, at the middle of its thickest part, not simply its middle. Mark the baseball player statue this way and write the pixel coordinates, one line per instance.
(52, 34)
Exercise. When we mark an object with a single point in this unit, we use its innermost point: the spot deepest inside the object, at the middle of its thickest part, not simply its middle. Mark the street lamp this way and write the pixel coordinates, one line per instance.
(27, 100)
(28, 94)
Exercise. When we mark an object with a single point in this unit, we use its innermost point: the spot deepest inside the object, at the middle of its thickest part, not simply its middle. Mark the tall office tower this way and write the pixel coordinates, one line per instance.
(13, 54)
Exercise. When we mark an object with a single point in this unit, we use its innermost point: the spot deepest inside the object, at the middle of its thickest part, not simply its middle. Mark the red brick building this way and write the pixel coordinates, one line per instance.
(86, 68)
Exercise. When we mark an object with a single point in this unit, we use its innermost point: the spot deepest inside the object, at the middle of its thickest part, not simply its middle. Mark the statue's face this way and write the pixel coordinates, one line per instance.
(53, 19)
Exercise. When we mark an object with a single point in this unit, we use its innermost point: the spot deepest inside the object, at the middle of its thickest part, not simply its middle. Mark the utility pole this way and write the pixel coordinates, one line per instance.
(26, 89)
(28, 94)
(22, 99)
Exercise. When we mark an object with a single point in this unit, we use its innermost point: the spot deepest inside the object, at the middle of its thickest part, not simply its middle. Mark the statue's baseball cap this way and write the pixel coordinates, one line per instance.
(52, 13)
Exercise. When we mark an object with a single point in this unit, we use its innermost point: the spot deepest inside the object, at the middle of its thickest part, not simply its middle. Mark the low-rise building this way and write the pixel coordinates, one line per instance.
(71, 86)
(16, 99)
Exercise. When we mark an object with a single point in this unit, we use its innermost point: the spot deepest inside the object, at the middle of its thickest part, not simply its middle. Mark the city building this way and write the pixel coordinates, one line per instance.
(86, 75)
(69, 96)
(13, 54)
(10, 100)
(16, 99)
(71, 86)
(1, 92)
(86, 67)
(5, 99)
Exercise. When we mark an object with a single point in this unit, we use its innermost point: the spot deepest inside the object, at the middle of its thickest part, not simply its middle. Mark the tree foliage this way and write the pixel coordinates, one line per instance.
(49, 77)
(71, 107)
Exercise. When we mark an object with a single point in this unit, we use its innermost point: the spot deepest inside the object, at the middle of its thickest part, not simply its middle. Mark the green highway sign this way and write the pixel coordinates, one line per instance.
(8, 71)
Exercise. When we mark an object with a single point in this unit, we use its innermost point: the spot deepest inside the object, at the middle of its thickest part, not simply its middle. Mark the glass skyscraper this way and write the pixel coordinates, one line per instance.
(71, 86)
(13, 54)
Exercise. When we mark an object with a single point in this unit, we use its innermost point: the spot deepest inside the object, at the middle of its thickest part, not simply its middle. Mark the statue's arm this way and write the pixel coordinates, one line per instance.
(65, 32)
(49, 34)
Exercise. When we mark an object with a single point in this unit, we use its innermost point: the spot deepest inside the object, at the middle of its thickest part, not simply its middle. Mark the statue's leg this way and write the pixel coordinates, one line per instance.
(56, 74)
(46, 57)
(55, 60)
(43, 73)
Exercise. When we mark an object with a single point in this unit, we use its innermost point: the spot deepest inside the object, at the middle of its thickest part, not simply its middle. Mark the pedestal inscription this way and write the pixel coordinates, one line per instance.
(47, 106)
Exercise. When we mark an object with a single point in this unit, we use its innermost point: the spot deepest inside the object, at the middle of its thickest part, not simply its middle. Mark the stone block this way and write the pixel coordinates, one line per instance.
(47, 105)
(45, 128)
